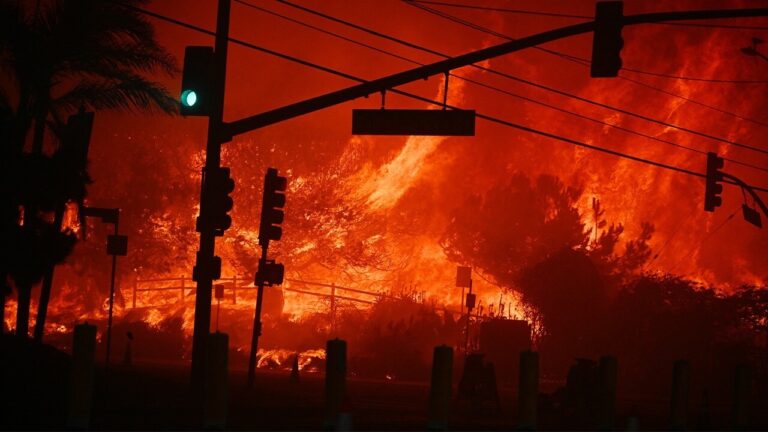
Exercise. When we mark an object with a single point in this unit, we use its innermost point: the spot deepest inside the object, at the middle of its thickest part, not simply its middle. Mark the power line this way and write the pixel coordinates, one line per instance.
(440, 103)
(583, 17)
(322, 30)
(496, 89)
(694, 101)
(567, 56)
(483, 29)
(585, 62)
(497, 9)
(515, 78)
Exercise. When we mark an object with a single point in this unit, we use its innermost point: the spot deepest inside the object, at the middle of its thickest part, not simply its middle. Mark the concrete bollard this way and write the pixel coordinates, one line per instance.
(528, 390)
(216, 381)
(681, 377)
(335, 380)
(440, 387)
(606, 393)
(741, 397)
(81, 377)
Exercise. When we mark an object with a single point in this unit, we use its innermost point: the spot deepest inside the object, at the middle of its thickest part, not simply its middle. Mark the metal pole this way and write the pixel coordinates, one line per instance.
(256, 324)
(205, 255)
(466, 340)
(111, 304)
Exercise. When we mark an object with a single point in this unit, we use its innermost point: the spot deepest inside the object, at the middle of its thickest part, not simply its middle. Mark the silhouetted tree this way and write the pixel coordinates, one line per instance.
(515, 224)
(529, 236)
(59, 56)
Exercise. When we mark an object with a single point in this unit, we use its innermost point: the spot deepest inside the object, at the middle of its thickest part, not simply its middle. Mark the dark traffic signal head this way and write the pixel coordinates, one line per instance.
(269, 273)
(272, 207)
(197, 81)
(607, 41)
(713, 188)
(217, 187)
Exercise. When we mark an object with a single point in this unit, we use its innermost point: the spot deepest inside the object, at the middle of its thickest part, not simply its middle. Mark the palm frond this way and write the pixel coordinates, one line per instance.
(129, 93)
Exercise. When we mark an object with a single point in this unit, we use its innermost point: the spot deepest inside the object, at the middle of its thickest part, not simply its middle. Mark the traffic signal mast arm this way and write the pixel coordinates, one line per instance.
(749, 189)
(231, 129)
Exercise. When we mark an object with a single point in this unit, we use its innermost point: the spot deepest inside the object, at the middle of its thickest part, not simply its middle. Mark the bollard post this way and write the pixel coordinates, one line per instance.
(335, 380)
(741, 397)
(606, 393)
(81, 377)
(216, 382)
(440, 388)
(681, 378)
(528, 390)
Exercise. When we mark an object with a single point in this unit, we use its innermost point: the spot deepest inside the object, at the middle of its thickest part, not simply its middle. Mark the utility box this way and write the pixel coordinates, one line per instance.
(502, 340)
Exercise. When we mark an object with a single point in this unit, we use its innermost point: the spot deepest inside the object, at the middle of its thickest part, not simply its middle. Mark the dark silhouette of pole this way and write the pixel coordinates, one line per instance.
(256, 326)
(470, 305)
(116, 245)
(205, 253)
(45, 289)
(111, 303)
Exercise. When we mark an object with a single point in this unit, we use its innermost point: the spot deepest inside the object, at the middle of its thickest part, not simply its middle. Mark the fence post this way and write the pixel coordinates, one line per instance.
(528, 390)
(440, 388)
(81, 377)
(607, 375)
(681, 377)
(216, 381)
(741, 397)
(234, 289)
(335, 381)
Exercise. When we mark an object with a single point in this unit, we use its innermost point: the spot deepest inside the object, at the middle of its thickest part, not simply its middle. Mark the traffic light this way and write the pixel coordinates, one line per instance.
(713, 189)
(217, 186)
(197, 82)
(269, 273)
(272, 207)
(607, 41)
(207, 268)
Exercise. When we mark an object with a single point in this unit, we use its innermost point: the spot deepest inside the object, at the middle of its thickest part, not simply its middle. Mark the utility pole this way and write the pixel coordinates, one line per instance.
(205, 264)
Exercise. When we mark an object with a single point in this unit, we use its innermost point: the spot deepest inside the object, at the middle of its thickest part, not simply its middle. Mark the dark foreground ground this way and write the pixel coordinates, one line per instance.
(157, 397)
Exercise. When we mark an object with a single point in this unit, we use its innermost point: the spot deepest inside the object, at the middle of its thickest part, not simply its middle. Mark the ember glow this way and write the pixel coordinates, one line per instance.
(370, 214)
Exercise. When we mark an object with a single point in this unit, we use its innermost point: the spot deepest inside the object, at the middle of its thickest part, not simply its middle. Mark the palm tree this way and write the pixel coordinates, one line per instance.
(58, 56)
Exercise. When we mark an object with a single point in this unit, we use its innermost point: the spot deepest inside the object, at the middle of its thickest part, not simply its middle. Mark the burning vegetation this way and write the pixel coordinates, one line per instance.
(598, 254)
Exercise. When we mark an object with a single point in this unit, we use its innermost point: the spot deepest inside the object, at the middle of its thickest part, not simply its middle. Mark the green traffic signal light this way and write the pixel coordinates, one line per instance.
(197, 82)
(188, 98)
